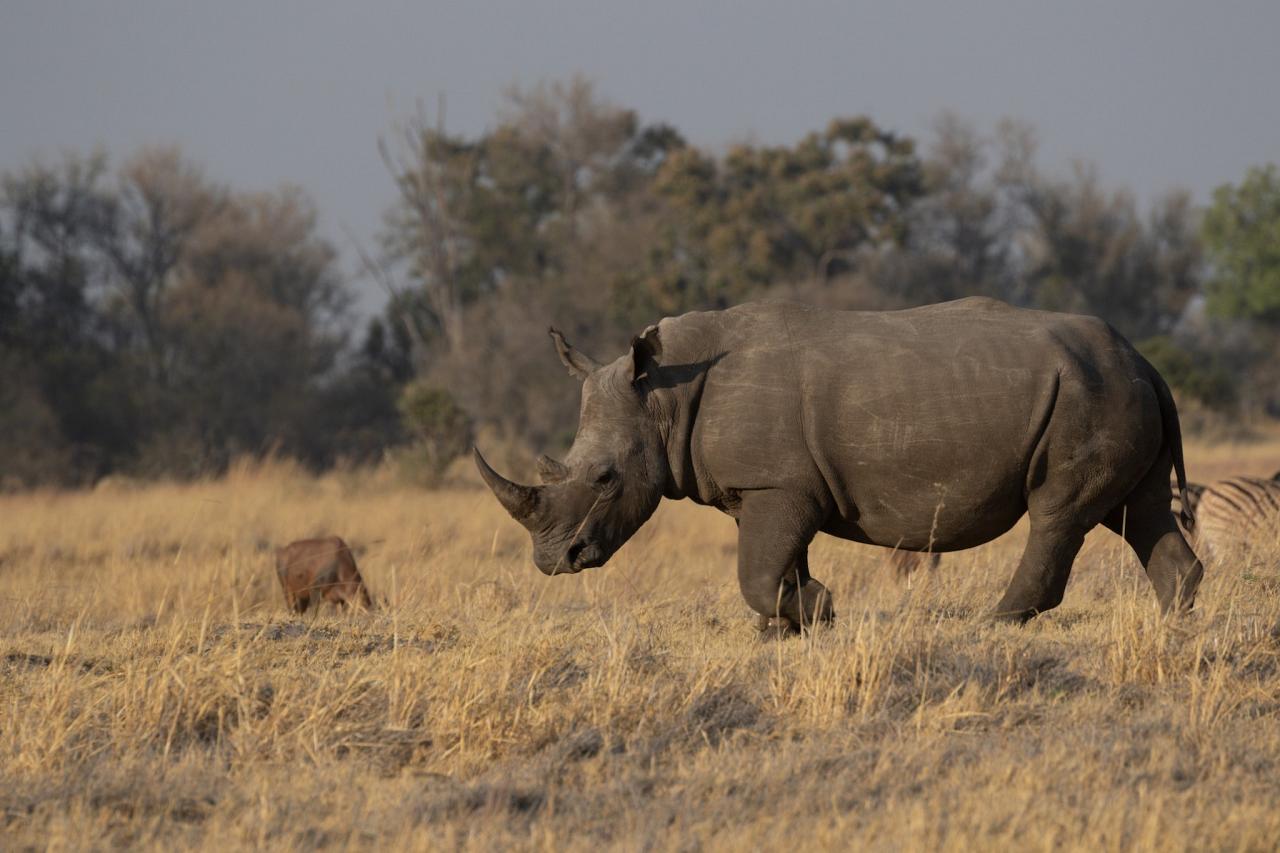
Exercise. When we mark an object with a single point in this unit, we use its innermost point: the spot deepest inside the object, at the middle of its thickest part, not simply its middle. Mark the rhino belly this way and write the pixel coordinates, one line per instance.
(938, 514)
(928, 473)
(920, 448)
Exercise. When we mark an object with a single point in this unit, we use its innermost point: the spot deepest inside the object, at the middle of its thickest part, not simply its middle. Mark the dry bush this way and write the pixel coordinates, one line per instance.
(155, 692)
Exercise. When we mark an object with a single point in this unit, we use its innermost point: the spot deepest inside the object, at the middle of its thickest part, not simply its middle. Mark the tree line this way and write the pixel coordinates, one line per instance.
(154, 321)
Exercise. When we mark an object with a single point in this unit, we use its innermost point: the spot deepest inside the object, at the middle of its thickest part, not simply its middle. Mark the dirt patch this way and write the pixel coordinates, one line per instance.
(27, 660)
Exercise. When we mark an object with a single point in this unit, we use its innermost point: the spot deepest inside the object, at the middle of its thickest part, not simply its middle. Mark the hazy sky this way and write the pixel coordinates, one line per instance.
(1157, 94)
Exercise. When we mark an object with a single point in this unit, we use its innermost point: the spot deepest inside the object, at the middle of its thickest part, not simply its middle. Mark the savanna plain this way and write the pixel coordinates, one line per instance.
(154, 691)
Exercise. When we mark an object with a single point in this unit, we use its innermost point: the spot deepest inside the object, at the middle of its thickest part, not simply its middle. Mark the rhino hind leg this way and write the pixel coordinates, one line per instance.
(773, 562)
(1062, 509)
(1041, 577)
(1146, 522)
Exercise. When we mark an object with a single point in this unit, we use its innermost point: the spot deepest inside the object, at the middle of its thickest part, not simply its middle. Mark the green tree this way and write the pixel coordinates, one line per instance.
(68, 401)
(252, 325)
(1194, 372)
(165, 323)
(514, 209)
(1077, 245)
(1242, 237)
(771, 213)
(500, 234)
(439, 428)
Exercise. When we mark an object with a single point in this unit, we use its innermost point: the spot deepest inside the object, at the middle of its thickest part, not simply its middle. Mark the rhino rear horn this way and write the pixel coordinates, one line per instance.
(551, 470)
(520, 501)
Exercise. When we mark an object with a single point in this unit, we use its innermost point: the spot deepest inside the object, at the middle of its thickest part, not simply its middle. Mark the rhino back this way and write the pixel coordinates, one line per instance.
(916, 424)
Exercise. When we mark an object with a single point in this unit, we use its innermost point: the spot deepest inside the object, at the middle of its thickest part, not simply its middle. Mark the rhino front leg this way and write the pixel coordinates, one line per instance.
(774, 532)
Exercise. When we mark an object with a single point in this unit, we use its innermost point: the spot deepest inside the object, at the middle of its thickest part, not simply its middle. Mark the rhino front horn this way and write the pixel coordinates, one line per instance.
(518, 500)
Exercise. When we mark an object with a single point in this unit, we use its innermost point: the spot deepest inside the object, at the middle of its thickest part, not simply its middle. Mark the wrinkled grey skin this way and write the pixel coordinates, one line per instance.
(930, 429)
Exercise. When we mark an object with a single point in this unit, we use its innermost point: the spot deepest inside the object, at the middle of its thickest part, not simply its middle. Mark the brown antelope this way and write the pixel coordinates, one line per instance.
(320, 570)
(905, 563)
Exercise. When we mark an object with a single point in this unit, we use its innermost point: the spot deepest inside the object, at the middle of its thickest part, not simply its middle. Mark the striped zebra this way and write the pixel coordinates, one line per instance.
(1185, 503)
(1236, 513)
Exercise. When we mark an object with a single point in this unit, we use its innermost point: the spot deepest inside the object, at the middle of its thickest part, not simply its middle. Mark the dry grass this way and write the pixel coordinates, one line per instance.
(154, 692)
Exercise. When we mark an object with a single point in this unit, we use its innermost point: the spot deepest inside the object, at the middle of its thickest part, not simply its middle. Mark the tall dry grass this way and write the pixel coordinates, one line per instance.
(154, 691)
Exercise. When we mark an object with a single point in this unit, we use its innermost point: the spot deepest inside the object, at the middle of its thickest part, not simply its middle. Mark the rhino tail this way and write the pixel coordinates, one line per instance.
(1173, 438)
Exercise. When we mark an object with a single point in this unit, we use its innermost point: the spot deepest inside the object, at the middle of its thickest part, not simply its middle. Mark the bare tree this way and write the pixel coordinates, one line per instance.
(160, 202)
(423, 228)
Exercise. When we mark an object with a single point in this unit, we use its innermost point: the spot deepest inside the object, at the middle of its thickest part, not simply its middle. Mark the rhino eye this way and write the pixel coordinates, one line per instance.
(606, 477)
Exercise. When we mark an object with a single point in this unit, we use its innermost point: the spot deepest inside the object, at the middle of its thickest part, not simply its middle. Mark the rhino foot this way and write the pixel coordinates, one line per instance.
(781, 627)
(776, 628)
(1011, 617)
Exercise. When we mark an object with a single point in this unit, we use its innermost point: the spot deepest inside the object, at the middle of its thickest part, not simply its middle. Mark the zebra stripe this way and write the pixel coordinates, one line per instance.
(1236, 513)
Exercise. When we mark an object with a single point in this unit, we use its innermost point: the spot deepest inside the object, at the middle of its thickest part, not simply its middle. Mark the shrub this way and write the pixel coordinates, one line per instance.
(440, 431)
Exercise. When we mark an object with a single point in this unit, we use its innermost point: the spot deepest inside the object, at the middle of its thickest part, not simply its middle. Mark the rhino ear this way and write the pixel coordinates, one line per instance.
(646, 349)
(580, 365)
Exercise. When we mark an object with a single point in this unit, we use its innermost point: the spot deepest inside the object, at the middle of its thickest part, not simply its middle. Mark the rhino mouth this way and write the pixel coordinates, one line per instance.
(575, 558)
(585, 555)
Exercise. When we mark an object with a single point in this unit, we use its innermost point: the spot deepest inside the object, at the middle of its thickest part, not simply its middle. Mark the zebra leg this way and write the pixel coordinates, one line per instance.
(1147, 524)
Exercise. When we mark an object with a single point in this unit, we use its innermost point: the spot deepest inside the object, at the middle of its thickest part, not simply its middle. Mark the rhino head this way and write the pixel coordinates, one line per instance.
(613, 477)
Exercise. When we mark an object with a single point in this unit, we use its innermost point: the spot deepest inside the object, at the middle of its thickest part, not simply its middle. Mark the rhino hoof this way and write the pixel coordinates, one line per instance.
(776, 628)
(1011, 617)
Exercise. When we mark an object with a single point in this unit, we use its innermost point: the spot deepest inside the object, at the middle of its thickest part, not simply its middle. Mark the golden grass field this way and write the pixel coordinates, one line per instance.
(154, 692)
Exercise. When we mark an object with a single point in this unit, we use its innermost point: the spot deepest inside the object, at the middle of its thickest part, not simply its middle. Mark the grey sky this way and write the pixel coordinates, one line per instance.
(1157, 94)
